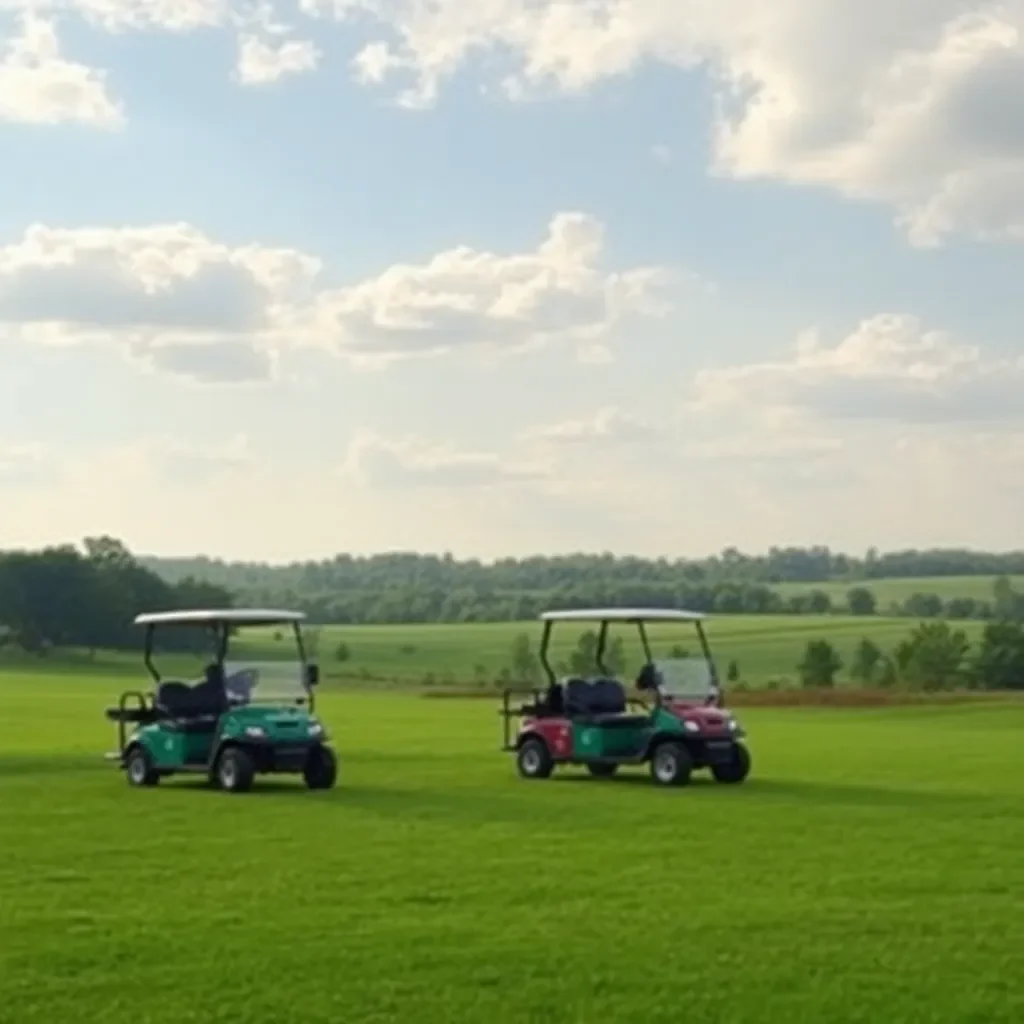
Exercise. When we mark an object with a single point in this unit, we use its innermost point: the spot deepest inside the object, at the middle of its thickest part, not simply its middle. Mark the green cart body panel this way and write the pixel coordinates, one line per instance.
(172, 747)
(592, 740)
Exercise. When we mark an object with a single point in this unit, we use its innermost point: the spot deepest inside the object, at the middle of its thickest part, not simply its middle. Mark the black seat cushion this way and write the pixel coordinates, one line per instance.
(174, 696)
(607, 697)
(205, 699)
(577, 697)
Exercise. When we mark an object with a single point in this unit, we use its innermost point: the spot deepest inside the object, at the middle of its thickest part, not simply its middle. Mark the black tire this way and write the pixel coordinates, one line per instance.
(534, 759)
(138, 768)
(602, 771)
(321, 768)
(736, 770)
(235, 771)
(671, 764)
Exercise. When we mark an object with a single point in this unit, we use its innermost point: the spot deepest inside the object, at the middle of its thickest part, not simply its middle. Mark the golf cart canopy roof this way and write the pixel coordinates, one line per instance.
(622, 615)
(236, 616)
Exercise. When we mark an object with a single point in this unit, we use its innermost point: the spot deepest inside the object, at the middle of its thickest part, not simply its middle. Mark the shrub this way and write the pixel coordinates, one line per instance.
(819, 665)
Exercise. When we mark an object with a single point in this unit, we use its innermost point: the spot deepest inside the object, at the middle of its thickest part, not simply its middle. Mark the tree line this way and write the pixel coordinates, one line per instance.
(65, 596)
(409, 587)
(934, 657)
(87, 595)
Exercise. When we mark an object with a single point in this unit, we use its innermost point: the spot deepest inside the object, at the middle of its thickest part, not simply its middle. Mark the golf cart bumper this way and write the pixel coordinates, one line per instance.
(277, 756)
(719, 751)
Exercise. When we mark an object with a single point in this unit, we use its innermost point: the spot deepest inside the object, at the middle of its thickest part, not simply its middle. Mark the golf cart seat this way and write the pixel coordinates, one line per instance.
(197, 706)
(601, 702)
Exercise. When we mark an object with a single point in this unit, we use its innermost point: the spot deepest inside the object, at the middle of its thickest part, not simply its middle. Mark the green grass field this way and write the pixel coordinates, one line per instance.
(869, 871)
(888, 591)
(766, 647)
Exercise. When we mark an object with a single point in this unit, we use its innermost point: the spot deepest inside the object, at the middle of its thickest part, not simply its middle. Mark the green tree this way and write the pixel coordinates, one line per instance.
(923, 606)
(999, 664)
(525, 665)
(342, 652)
(934, 657)
(1007, 602)
(861, 601)
(867, 659)
(819, 665)
(732, 673)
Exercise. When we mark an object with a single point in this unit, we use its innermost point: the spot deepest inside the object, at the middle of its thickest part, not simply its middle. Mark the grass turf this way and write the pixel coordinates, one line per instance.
(869, 871)
(887, 591)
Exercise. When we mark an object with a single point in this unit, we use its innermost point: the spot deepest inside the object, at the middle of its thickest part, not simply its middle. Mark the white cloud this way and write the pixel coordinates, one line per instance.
(389, 463)
(175, 298)
(608, 425)
(891, 368)
(913, 104)
(265, 54)
(501, 302)
(261, 62)
(38, 85)
(167, 294)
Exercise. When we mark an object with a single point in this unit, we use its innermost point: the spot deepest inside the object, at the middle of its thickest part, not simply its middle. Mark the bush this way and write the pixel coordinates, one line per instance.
(999, 664)
(732, 673)
(861, 601)
(525, 664)
(342, 652)
(866, 661)
(934, 657)
(819, 665)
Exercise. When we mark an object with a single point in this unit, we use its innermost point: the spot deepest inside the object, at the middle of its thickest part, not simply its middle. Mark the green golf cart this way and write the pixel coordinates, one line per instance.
(240, 719)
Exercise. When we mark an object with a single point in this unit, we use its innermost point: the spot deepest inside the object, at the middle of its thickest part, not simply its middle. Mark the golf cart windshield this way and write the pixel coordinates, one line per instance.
(264, 664)
(688, 678)
(257, 657)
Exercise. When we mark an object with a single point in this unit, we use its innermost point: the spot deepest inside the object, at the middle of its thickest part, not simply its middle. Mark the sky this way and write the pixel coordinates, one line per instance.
(279, 280)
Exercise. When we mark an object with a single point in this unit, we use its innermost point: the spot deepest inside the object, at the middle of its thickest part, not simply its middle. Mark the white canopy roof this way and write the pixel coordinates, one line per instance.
(622, 615)
(234, 616)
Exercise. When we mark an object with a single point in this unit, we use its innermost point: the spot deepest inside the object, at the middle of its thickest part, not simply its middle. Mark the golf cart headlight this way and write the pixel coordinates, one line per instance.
(255, 732)
(691, 726)
(733, 725)
(315, 729)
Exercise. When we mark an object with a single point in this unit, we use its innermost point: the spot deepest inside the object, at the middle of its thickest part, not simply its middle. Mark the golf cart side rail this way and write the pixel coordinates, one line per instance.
(507, 712)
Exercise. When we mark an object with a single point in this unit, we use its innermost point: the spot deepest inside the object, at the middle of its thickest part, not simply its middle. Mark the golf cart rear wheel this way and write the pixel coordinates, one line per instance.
(321, 768)
(235, 771)
(736, 770)
(671, 764)
(138, 768)
(534, 760)
(602, 771)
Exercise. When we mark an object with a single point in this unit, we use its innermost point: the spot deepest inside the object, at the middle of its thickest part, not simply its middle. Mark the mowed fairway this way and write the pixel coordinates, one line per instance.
(871, 870)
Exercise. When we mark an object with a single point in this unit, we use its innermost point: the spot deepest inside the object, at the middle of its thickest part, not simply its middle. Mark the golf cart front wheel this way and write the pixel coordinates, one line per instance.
(534, 760)
(139, 770)
(235, 771)
(736, 769)
(671, 764)
(321, 768)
